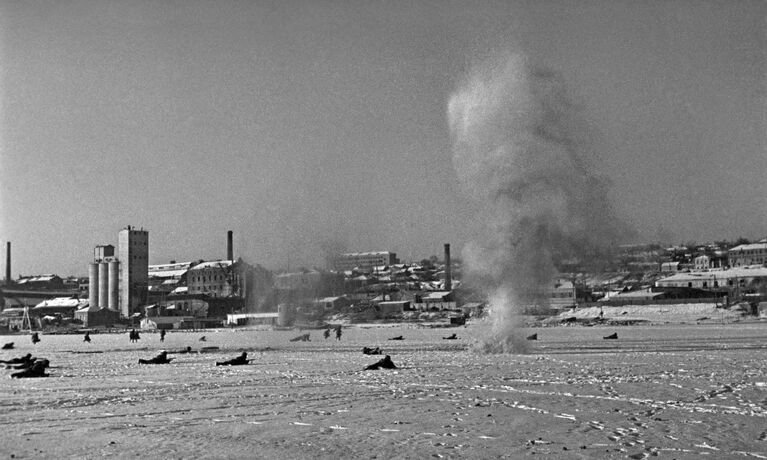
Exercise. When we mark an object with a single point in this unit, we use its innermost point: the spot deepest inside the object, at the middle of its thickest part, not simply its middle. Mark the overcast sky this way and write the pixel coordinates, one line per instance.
(308, 127)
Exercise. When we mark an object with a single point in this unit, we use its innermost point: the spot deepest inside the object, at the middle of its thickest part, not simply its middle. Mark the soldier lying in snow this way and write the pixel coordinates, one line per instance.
(238, 361)
(385, 363)
(37, 370)
(162, 358)
(371, 351)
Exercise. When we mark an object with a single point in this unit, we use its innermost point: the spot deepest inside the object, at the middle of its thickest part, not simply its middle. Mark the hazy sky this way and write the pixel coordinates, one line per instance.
(314, 126)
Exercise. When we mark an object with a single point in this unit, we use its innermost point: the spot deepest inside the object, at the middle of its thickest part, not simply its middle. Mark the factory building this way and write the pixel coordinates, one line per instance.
(364, 260)
(119, 282)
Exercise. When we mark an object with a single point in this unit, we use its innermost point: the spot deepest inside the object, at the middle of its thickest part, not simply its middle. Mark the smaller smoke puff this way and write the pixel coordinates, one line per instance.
(518, 148)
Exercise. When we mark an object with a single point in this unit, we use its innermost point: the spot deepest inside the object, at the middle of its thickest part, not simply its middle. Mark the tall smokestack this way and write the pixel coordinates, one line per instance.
(8, 263)
(448, 272)
(229, 246)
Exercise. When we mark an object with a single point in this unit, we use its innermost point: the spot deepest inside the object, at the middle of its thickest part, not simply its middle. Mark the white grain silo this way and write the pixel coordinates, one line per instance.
(103, 284)
(93, 283)
(112, 289)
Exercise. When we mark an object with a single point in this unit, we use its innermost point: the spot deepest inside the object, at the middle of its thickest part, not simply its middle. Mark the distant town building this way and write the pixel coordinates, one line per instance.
(29, 291)
(562, 295)
(748, 254)
(221, 287)
(218, 278)
(739, 278)
(133, 253)
(669, 267)
(364, 260)
(166, 278)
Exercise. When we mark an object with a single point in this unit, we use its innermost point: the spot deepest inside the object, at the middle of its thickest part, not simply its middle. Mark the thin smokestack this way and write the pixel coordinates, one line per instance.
(229, 246)
(8, 263)
(448, 271)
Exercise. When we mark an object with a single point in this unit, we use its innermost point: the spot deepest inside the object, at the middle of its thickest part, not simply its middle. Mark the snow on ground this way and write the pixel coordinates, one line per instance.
(672, 313)
(676, 391)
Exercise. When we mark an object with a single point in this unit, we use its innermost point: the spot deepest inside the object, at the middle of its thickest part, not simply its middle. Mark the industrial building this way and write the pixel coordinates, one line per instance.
(120, 282)
(364, 260)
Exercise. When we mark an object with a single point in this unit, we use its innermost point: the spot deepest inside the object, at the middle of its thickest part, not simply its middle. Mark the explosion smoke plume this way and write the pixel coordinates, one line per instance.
(518, 148)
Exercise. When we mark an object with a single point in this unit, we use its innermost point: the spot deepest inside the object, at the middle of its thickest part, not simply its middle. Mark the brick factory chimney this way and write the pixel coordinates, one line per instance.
(229, 246)
(8, 263)
(448, 274)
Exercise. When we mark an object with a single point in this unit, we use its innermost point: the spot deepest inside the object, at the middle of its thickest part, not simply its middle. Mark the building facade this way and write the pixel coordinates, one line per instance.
(133, 253)
(364, 260)
(748, 254)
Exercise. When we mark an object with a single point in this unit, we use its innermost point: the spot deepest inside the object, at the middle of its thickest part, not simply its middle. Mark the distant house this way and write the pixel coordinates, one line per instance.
(166, 322)
(93, 315)
(562, 295)
(392, 308)
(436, 300)
(242, 319)
(669, 267)
(332, 303)
(64, 306)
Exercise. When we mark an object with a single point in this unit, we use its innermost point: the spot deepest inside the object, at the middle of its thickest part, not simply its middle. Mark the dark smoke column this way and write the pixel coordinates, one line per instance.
(518, 146)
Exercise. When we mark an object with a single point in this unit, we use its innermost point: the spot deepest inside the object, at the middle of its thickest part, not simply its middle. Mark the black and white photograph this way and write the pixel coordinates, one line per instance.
(383, 229)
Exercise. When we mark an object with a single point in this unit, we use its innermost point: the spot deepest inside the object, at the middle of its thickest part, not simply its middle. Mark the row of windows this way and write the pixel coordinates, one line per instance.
(208, 288)
(751, 252)
(205, 279)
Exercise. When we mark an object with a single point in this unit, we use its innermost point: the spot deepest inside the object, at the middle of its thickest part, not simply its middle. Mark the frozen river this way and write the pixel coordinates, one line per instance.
(679, 391)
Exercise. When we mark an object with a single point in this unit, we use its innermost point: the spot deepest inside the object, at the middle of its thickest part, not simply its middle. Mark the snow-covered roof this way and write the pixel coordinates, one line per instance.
(38, 279)
(736, 272)
(329, 299)
(213, 264)
(436, 295)
(750, 247)
(167, 273)
(61, 302)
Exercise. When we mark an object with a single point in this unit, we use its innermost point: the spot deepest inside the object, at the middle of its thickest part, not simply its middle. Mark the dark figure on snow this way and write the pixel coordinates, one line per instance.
(385, 363)
(399, 337)
(450, 337)
(338, 332)
(202, 339)
(301, 338)
(238, 361)
(36, 370)
(87, 337)
(23, 359)
(162, 358)
(162, 335)
(533, 337)
(8, 346)
(371, 351)
(28, 364)
(134, 335)
(326, 333)
(35, 338)
(613, 336)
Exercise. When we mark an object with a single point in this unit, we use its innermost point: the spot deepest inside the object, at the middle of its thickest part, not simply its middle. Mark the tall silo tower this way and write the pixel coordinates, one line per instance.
(103, 283)
(133, 253)
(93, 284)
